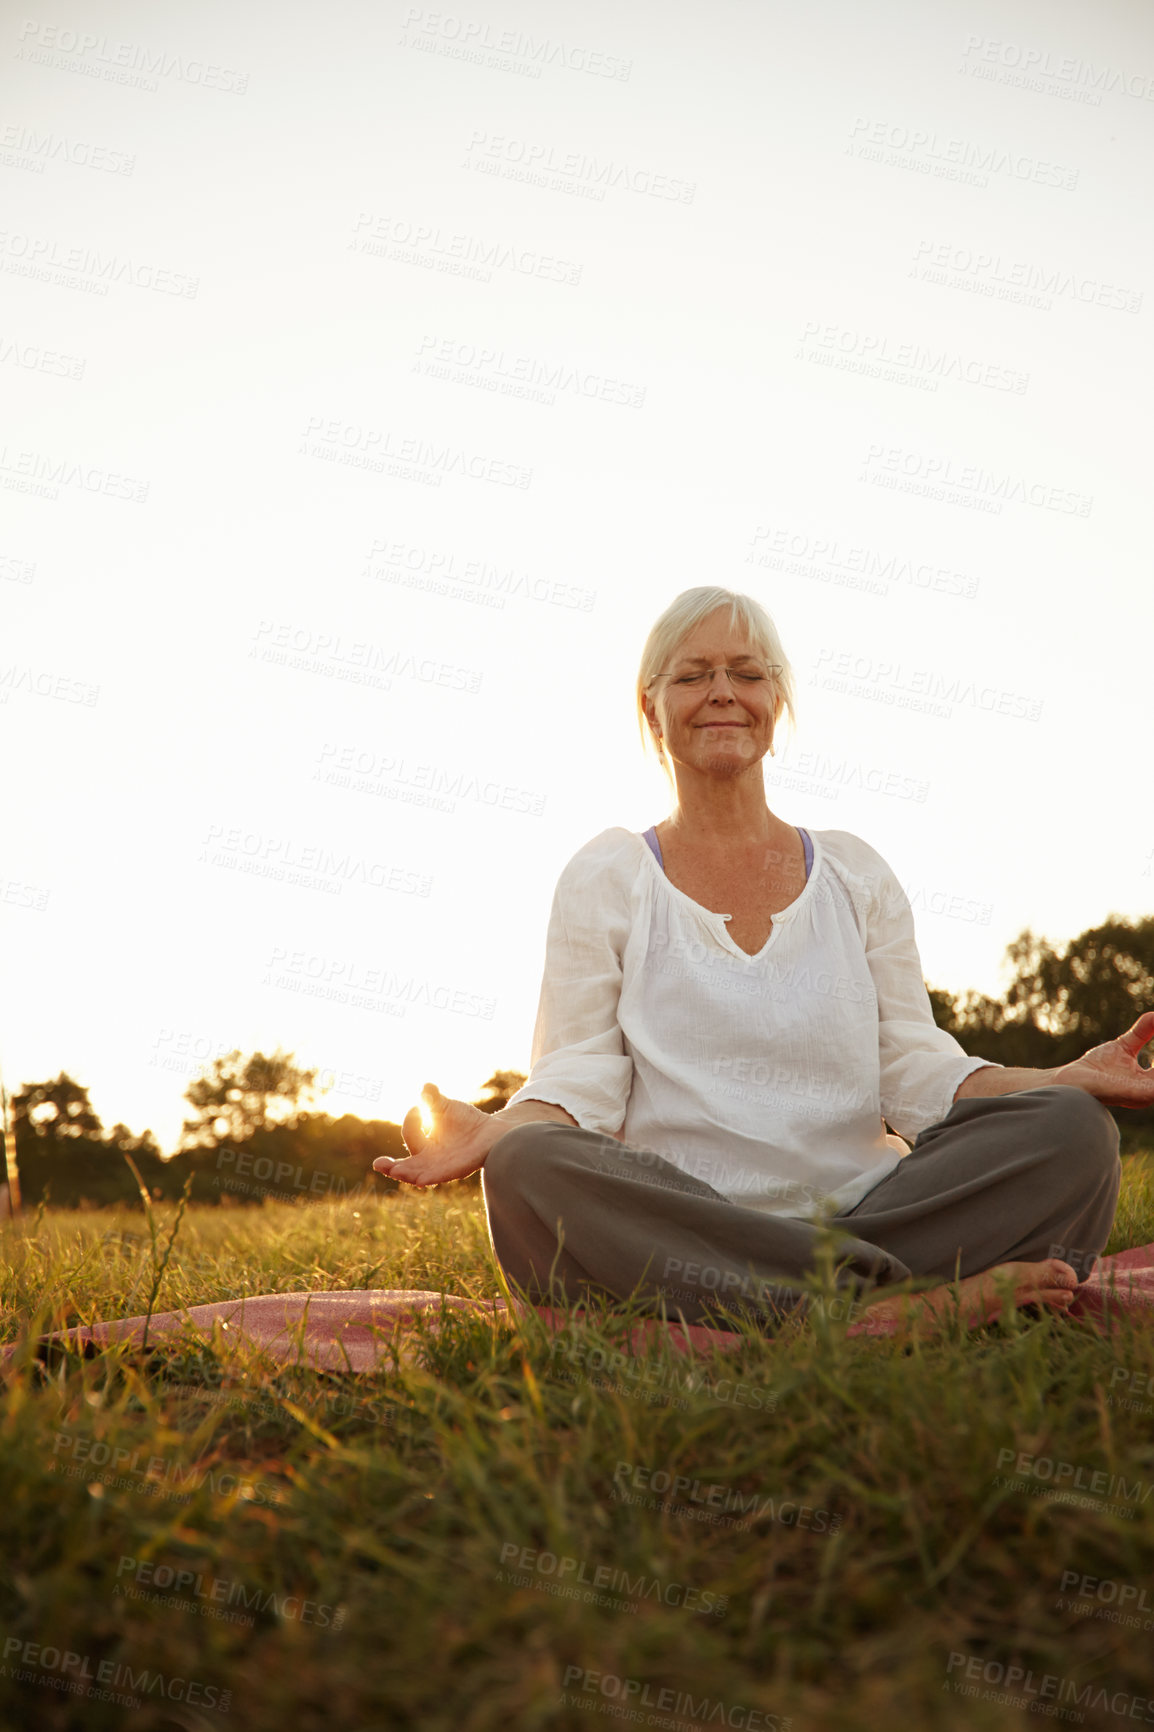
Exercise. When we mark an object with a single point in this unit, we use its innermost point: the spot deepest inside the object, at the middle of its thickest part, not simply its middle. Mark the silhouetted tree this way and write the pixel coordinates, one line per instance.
(499, 1089)
(54, 1110)
(233, 1099)
(1061, 1002)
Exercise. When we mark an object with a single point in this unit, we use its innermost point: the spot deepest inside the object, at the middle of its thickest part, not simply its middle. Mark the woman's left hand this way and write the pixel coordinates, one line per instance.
(1111, 1072)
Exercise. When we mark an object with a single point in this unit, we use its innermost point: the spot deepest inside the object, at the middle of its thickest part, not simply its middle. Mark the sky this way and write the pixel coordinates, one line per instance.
(374, 376)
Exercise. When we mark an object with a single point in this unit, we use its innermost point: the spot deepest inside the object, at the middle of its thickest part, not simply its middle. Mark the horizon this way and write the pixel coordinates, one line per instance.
(348, 463)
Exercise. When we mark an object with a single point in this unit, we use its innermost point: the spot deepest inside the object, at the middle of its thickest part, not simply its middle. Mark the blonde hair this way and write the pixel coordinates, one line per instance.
(682, 615)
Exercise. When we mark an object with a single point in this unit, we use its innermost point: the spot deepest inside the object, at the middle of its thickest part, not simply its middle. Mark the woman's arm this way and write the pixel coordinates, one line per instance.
(1110, 1072)
(580, 1073)
(922, 1066)
(578, 1062)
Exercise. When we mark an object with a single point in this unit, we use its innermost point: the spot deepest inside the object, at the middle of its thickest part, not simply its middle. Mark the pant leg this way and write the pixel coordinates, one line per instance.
(1009, 1177)
(1001, 1178)
(633, 1223)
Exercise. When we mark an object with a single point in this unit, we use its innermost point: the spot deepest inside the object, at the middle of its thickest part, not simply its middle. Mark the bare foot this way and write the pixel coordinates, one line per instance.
(977, 1298)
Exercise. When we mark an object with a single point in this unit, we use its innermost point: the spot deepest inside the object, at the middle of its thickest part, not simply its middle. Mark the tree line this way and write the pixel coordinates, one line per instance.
(253, 1133)
(252, 1136)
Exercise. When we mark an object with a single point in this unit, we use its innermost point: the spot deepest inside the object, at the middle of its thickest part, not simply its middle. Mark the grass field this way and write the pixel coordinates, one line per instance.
(520, 1530)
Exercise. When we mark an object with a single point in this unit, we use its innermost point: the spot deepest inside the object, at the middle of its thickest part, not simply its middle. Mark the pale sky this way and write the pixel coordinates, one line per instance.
(375, 376)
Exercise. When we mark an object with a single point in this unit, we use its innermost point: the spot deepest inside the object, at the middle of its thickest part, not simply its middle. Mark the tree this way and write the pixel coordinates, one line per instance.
(1060, 1002)
(499, 1089)
(53, 1110)
(235, 1097)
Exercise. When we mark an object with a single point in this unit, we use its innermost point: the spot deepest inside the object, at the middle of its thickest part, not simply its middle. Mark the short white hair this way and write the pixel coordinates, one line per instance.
(681, 617)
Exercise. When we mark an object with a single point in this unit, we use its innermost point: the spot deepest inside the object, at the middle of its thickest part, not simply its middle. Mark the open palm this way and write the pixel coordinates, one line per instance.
(460, 1138)
(1111, 1072)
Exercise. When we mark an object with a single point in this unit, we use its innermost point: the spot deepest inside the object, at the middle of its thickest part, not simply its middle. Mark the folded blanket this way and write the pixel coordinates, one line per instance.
(357, 1331)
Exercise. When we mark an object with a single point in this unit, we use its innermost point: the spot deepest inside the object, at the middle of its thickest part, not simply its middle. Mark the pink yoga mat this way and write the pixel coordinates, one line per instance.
(357, 1331)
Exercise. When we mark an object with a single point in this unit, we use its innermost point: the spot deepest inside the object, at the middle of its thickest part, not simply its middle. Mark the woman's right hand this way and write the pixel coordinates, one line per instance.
(460, 1138)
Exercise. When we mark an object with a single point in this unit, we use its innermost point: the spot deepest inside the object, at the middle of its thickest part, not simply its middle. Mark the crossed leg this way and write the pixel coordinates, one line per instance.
(1022, 1186)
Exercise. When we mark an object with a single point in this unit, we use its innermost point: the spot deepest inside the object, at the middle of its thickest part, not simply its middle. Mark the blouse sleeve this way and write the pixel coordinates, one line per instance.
(578, 1059)
(921, 1064)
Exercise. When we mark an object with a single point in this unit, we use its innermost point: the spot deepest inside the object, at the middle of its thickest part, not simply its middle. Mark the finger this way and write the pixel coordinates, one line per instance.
(413, 1131)
(401, 1169)
(1138, 1034)
(411, 1172)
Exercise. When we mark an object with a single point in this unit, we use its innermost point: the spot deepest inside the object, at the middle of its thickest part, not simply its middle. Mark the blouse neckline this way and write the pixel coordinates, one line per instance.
(717, 922)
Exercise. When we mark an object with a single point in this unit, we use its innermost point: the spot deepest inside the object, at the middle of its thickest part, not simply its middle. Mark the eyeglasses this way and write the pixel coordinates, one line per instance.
(749, 674)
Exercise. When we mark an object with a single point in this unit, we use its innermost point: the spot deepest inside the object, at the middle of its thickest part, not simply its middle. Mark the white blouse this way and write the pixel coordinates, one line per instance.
(766, 1076)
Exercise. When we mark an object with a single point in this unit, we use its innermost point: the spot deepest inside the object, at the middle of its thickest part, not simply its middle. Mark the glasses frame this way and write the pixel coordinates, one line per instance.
(772, 669)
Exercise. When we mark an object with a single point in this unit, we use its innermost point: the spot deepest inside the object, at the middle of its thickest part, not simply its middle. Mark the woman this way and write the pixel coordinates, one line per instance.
(730, 1009)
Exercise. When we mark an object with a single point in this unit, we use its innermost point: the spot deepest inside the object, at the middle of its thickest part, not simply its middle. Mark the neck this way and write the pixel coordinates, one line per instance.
(724, 809)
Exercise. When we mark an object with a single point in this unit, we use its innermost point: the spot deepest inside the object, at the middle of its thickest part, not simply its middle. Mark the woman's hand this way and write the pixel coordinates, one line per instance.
(1111, 1072)
(461, 1137)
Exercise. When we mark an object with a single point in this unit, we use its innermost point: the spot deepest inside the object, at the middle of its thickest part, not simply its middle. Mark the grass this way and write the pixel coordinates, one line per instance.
(385, 1551)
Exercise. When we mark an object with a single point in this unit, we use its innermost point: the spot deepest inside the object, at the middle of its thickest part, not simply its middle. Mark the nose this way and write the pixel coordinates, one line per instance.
(730, 682)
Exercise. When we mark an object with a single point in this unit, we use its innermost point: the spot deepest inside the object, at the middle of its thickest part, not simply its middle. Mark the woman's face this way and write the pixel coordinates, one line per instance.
(711, 720)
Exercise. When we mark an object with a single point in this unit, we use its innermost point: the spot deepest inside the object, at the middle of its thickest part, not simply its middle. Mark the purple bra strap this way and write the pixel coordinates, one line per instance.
(651, 837)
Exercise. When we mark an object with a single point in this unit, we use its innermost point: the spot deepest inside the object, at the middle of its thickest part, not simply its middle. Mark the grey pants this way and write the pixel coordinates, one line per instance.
(1015, 1177)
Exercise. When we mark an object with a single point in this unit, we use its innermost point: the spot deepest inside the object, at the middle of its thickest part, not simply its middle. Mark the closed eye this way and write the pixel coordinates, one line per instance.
(696, 679)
